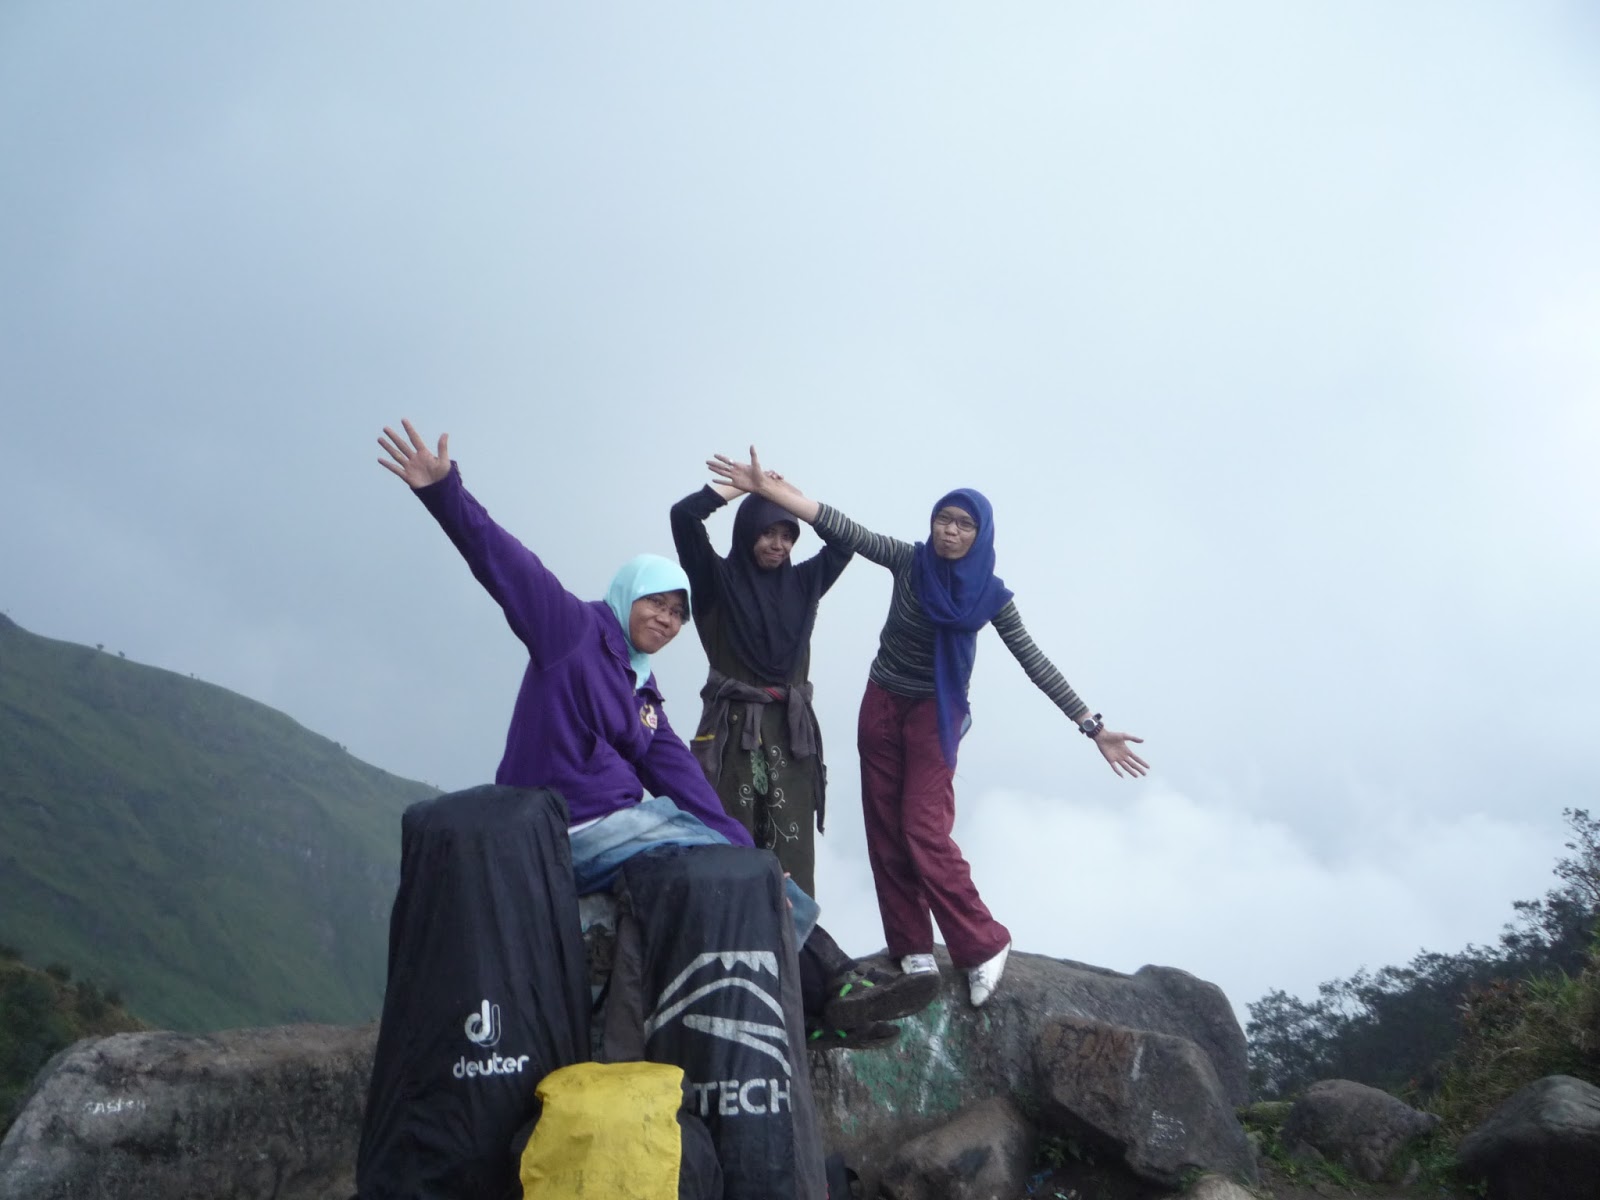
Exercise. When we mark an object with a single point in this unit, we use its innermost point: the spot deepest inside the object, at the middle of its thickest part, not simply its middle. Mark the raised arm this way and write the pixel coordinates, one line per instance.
(826, 565)
(1112, 745)
(836, 529)
(831, 525)
(695, 552)
(546, 617)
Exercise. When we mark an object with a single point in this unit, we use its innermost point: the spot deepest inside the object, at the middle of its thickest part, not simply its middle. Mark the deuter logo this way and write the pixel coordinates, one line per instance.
(467, 1068)
(753, 972)
(483, 1029)
(483, 1026)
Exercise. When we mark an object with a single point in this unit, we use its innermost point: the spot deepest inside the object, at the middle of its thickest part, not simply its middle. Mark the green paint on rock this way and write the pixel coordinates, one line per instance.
(926, 1073)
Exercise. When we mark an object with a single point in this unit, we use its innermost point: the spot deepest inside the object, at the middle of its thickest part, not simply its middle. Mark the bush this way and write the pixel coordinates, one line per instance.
(32, 1030)
(1516, 1031)
(91, 1001)
(41, 1015)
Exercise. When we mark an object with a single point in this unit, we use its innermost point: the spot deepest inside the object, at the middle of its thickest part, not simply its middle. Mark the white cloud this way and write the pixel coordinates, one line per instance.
(1245, 902)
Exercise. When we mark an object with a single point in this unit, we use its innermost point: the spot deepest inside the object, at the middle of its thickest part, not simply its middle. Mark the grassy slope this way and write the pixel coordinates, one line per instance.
(220, 864)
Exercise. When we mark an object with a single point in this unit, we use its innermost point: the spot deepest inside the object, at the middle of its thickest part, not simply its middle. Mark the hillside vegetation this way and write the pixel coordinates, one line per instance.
(1458, 1033)
(219, 863)
(41, 1014)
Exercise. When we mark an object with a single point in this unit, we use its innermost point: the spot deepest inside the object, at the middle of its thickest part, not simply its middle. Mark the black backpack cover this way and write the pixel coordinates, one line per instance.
(706, 977)
(487, 994)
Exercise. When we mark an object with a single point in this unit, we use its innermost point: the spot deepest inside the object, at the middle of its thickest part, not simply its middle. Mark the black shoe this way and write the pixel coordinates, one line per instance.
(864, 994)
(862, 1037)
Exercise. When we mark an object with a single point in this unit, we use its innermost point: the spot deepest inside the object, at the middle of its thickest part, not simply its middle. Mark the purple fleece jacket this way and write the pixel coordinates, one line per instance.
(580, 726)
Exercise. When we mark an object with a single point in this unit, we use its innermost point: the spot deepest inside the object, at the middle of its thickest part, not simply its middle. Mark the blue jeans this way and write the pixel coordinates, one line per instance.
(599, 850)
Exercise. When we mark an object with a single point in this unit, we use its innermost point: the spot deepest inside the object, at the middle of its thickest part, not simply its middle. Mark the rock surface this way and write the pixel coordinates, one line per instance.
(1541, 1144)
(1215, 1187)
(275, 1113)
(1151, 1098)
(249, 1113)
(984, 1154)
(1356, 1126)
(952, 1056)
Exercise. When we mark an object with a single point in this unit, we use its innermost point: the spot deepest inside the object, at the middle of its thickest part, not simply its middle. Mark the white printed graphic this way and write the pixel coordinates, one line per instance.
(772, 1040)
(735, 1097)
(483, 1027)
(483, 1030)
(511, 1064)
(119, 1105)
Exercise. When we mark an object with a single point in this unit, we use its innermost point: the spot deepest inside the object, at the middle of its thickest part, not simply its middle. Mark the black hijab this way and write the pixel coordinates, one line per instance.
(768, 615)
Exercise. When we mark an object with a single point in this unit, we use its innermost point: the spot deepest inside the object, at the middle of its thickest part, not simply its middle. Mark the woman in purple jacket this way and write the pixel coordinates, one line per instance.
(589, 721)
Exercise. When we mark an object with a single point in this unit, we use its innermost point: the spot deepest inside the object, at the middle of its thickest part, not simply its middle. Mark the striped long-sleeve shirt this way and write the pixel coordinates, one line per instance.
(904, 664)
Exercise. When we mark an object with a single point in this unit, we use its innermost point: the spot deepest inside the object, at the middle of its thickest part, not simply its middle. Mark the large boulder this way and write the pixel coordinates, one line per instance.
(1541, 1144)
(984, 1154)
(253, 1113)
(1152, 1099)
(1356, 1126)
(952, 1056)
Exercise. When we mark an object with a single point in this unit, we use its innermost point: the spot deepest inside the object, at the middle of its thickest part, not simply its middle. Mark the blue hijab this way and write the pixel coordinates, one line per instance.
(642, 576)
(960, 597)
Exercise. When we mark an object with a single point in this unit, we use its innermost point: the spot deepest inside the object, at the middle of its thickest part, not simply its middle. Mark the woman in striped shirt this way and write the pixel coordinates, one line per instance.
(915, 711)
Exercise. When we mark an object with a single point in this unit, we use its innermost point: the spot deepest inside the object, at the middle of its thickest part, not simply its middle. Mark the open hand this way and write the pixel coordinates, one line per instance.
(415, 463)
(1114, 746)
(747, 477)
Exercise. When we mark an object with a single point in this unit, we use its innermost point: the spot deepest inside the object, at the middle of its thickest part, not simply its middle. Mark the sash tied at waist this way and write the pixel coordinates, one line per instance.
(723, 697)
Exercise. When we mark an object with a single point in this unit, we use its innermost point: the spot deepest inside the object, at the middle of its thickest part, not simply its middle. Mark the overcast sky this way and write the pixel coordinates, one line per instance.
(1272, 331)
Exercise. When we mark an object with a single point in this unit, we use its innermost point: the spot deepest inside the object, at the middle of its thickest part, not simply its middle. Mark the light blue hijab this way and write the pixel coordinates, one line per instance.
(642, 576)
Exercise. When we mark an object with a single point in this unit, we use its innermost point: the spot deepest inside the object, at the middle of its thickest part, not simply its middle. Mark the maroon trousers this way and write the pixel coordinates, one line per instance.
(908, 798)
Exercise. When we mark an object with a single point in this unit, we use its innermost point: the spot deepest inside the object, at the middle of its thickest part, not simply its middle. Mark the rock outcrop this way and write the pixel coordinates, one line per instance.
(1541, 1144)
(1148, 1067)
(984, 1154)
(1356, 1126)
(269, 1113)
(1151, 1099)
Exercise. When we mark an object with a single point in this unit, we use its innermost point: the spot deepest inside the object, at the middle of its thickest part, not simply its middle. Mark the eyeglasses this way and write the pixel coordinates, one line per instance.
(661, 604)
(958, 523)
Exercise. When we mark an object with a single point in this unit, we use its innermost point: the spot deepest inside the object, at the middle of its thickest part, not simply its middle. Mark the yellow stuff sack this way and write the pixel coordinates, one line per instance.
(608, 1131)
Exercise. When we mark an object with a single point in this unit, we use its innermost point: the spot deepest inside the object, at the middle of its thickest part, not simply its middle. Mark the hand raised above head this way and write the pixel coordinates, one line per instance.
(412, 460)
(747, 477)
(753, 477)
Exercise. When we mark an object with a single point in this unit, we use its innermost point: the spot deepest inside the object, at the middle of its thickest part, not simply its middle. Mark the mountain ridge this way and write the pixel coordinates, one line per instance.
(219, 863)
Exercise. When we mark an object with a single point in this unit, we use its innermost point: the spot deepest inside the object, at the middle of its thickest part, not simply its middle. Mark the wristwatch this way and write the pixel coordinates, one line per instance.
(1089, 726)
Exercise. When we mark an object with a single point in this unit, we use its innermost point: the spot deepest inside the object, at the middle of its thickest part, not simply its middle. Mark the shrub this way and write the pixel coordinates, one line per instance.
(1516, 1031)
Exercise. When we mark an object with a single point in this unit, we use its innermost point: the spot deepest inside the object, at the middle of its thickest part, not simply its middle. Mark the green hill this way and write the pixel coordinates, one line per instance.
(214, 861)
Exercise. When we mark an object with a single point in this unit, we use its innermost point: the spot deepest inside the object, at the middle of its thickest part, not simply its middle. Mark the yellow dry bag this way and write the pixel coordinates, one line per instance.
(607, 1131)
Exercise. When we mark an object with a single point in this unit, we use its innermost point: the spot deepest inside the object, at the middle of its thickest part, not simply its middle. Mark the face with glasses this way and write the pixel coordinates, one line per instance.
(953, 532)
(654, 620)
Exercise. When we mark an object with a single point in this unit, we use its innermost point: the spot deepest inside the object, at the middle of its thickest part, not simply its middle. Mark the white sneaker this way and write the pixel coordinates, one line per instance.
(985, 977)
(919, 964)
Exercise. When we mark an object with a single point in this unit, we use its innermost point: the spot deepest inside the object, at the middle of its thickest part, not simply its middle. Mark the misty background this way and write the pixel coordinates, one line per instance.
(1272, 333)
